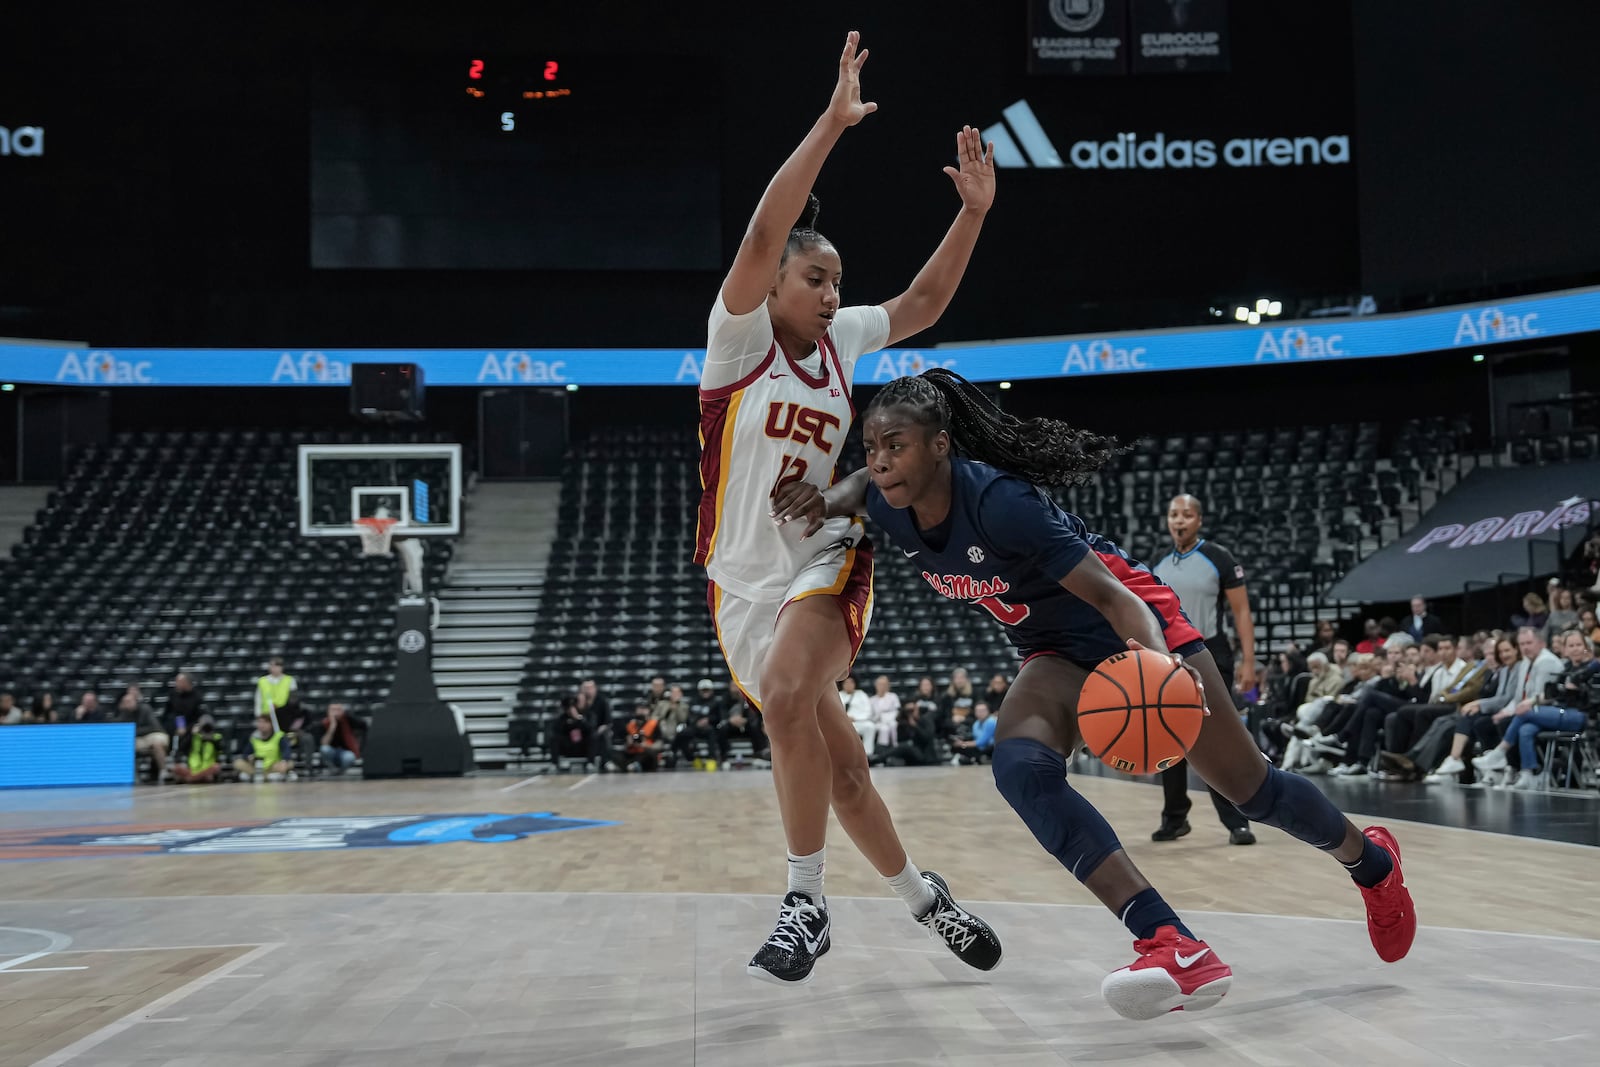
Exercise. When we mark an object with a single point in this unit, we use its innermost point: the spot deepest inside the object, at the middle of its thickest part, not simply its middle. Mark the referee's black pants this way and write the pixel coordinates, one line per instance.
(1175, 783)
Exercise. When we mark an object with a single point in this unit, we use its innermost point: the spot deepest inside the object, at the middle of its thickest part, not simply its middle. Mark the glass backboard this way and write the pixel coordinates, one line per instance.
(417, 485)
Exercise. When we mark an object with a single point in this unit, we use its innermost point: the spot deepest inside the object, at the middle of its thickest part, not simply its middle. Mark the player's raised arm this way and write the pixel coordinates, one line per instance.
(760, 252)
(930, 291)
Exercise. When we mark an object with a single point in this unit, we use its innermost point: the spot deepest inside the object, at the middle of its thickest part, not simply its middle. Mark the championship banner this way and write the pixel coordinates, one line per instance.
(1179, 35)
(1077, 37)
(1480, 530)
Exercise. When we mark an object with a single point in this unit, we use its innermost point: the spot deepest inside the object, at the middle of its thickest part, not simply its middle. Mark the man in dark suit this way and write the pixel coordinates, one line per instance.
(1420, 623)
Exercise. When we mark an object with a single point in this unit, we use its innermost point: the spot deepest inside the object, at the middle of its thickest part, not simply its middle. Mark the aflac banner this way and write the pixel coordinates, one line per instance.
(1462, 327)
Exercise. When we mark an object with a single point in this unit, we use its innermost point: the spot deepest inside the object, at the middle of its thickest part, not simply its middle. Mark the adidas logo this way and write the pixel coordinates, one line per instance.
(1020, 141)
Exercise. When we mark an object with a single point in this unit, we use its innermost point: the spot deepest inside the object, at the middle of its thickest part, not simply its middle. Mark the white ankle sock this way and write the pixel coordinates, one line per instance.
(911, 887)
(805, 874)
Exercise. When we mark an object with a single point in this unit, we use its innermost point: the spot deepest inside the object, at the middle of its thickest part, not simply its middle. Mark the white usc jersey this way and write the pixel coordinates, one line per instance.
(767, 419)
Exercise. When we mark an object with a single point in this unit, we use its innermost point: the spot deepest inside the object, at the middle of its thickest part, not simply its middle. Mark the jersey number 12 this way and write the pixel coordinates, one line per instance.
(793, 470)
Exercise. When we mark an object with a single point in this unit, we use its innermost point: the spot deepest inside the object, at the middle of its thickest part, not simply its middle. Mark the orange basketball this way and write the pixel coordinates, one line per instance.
(1139, 712)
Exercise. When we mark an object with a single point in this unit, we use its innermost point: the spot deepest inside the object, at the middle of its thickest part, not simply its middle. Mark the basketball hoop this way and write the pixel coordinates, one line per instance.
(376, 533)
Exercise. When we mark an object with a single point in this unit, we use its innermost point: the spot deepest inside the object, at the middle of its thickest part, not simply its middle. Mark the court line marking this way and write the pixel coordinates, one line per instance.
(145, 1013)
(37, 970)
(567, 894)
(58, 941)
(575, 786)
(525, 781)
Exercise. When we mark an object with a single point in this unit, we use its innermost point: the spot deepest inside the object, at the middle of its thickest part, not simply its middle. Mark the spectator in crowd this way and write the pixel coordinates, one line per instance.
(1589, 625)
(199, 748)
(965, 745)
(1325, 742)
(958, 694)
(699, 741)
(277, 695)
(1327, 682)
(704, 703)
(859, 708)
(597, 712)
(88, 709)
(926, 699)
(268, 757)
(1428, 746)
(1563, 614)
(1534, 613)
(921, 746)
(744, 724)
(657, 691)
(10, 714)
(1468, 725)
(1339, 656)
(1421, 622)
(1360, 735)
(571, 735)
(183, 703)
(885, 712)
(641, 745)
(1371, 637)
(1561, 704)
(1524, 684)
(149, 737)
(44, 708)
(995, 695)
(1325, 636)
(341, 742)
(672, 712)
(1404, 724)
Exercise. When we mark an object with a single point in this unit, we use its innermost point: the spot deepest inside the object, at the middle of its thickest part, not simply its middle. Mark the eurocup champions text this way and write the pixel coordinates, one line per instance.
(1358, 337)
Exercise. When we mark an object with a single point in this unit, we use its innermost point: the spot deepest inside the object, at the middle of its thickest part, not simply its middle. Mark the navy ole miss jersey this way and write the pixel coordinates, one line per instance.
(1004, 548)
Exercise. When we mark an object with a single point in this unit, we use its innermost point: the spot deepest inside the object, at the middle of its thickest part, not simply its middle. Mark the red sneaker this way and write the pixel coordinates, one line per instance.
(1391, 917)
(1172, 973)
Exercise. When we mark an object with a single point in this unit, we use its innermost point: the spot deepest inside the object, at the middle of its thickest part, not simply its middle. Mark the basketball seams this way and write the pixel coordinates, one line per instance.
(1101, 692)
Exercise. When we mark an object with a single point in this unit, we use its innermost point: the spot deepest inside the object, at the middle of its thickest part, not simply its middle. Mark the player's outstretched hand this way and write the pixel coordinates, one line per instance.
(975, 178)
(846, 105)
(1199, 683)
(800, 500)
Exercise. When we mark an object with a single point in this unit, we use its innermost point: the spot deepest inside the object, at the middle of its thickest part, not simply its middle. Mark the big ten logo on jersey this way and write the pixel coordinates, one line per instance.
(803, 425)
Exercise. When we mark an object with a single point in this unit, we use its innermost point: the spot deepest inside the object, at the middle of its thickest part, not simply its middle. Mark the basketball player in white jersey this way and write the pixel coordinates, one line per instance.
(791, 610)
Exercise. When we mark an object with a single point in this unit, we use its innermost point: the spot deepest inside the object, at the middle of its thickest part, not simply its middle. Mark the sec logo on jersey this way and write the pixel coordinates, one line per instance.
(975, 554)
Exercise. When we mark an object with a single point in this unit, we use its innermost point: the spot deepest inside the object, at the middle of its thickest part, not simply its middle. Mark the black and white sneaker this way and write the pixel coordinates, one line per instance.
(969, 937)
(792, 950)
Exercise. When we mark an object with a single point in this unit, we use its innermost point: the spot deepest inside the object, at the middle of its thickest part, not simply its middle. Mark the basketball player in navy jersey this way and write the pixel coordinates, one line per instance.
(954, 482)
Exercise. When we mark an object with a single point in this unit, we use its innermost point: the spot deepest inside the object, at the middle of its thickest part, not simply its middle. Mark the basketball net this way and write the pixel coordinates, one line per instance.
(376, 533)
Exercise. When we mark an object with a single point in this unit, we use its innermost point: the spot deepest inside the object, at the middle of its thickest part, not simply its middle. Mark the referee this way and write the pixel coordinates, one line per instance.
(1204, 574)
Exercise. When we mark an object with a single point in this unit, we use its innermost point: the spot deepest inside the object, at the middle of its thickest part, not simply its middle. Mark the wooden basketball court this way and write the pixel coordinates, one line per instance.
(607, 920)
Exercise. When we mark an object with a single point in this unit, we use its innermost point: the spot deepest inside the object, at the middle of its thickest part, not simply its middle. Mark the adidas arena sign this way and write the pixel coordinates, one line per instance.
(1021, 141)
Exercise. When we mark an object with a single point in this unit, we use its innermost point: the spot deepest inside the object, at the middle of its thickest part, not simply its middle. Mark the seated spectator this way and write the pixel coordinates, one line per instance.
(268, 759)
(1572, 697)
(921, 747)
(995, 695)
(149, 739)
(1563, 614)
(744, 724)
(672, 712)
(699, 743)
(597, 712)
(1534, 613)
(88, 709)
(1326, 682)
(657, 690)
(1320, 745)
(885, 712)
(1339, 656)
(43, 709)
(1515, 686)
(704, 703)
(960, 730)
(859, 709)
(183, 702)
(1325, 636)
(1360, 735)
(571, 735)
(198, 750)
(341, 745)
(958, 694)
(10, 714)
(1371, 638)
(1589, 625)
(974, 740)
(641, 745)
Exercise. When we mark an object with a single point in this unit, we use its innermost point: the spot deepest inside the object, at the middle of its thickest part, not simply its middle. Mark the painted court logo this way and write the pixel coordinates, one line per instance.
(310, 834)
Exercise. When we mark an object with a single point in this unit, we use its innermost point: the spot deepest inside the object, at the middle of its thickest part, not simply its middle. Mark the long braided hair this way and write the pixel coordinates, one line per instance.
(1047, 452)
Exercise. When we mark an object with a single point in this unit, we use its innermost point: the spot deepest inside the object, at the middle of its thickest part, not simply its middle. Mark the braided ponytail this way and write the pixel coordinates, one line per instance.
(1047, 452)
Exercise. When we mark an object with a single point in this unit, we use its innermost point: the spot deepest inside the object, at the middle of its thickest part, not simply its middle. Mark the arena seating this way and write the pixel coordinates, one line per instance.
(1299, 505)
(163, 552)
